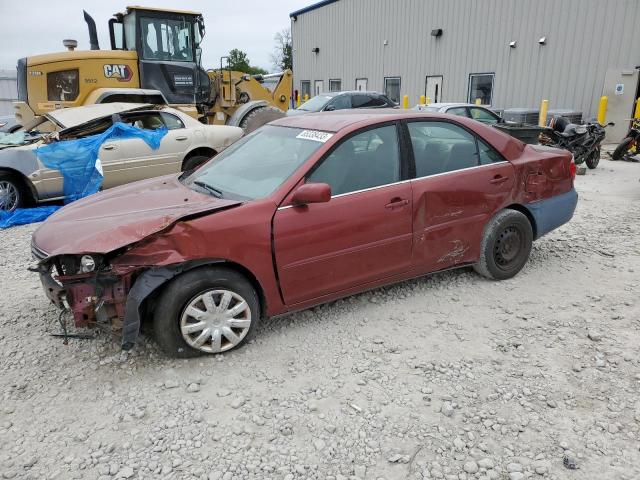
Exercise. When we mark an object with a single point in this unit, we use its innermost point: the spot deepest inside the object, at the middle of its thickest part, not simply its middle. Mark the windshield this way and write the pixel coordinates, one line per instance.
(315, 104)
(165, 39)
(256, 165)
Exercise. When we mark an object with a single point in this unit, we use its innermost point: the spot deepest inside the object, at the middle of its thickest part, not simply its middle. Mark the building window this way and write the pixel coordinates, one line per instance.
(392, 88)
(305, 89)
(481, 86)
(335, 85)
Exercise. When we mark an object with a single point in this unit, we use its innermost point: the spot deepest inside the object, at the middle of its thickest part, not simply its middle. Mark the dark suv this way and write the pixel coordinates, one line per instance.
(326, 102)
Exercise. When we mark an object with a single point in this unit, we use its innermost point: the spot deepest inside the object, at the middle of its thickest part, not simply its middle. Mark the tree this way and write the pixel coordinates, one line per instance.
(239, 61)
(282, 56)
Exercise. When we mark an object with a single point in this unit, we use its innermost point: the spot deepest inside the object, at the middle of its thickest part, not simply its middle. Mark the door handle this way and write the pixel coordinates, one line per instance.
(109, 147)
(180, 139)
(396, 203)
(498, 179)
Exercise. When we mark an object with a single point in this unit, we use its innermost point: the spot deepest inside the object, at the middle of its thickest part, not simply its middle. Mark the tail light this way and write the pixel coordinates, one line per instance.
(573, 169)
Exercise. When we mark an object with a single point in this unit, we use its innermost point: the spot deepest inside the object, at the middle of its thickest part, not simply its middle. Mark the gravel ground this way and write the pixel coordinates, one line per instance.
(450, 376)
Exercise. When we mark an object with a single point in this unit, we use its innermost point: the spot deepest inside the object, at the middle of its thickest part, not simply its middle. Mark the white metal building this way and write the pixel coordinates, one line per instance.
(8, 91)
(508, 53)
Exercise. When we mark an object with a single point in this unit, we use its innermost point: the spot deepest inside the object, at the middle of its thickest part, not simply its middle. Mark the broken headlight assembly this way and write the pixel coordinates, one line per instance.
(68, 265)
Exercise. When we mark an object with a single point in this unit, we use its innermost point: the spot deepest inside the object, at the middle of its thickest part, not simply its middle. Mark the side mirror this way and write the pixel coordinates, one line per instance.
(611, 124)
(330, 108)
(311, 193)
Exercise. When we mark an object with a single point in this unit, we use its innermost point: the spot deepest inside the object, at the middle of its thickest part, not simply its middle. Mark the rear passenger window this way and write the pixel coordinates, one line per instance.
(366, 101)
(487, 154)
(440, 147)
(368, 159)
(171, 121)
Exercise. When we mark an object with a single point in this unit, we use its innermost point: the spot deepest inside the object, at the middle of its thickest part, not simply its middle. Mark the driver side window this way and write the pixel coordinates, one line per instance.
(341, 102)
(365, 160)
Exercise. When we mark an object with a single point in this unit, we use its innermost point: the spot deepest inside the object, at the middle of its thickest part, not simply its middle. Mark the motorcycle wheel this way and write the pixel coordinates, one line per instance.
(621, 149)
(594, 159)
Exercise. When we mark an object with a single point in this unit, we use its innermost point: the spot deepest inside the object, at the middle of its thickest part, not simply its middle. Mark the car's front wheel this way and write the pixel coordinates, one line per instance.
(206, 311)
(12, 193)
(506, 245)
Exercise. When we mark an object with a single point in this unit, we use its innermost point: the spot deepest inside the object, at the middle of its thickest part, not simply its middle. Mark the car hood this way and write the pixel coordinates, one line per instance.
(74, 116)
(110, 220)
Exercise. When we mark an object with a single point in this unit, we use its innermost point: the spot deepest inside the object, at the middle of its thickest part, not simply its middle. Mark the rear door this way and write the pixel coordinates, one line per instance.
(361, 235)
(460, 183)
(140, 160)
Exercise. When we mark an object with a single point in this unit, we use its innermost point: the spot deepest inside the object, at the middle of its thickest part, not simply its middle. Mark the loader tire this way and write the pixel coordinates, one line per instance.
(258, 117)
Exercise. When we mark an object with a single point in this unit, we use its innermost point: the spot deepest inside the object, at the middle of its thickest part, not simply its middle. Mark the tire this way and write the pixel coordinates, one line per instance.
(258, 117)
(622, 149)
(13, 193)
(194, 162)
(188, 293)
(506, 245)
(594, 159)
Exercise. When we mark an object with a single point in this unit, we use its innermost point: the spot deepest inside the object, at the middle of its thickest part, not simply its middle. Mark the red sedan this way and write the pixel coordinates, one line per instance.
(303, 211)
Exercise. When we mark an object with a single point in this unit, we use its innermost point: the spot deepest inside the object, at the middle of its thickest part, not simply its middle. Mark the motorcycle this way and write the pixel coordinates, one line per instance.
(628, 147)
(583, 141)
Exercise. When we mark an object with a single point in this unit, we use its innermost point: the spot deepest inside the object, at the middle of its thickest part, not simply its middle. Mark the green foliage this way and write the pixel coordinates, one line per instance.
(239, 61)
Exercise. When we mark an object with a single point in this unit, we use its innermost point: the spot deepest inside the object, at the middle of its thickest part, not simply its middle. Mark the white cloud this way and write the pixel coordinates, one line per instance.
(40, 26)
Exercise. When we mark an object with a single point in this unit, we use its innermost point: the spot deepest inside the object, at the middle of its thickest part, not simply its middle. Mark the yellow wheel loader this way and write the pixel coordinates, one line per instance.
(155, 57)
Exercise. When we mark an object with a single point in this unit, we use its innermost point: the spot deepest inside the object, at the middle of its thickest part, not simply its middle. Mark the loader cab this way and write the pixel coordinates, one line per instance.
(168, 46)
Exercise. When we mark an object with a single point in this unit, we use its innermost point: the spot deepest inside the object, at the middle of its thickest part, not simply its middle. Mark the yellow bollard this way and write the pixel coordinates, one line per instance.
(478, 101)
(405, 101)
(306, 97)
(423, 99)
(637, 113)
(602, 110)
(544, 108)
(298, 98)
(428, 101)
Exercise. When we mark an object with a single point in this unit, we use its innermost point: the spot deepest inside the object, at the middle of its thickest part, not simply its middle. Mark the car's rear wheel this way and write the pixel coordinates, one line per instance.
(194, 162)
(13, 194)
(206, 311)
(506, 245)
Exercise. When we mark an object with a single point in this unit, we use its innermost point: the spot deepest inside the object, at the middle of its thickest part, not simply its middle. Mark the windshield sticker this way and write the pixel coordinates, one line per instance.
(315, 135)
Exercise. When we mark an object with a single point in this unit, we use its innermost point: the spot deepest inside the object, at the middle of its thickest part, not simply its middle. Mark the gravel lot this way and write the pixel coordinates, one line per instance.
(450, 376)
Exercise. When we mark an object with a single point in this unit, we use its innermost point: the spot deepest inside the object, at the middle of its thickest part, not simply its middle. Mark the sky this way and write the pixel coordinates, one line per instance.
(41, 25)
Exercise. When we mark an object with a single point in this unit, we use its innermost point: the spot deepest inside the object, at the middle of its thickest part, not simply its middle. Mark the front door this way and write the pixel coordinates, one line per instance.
(318, 87)
(361, 235)
(460, 183)
(620, 86)
(361, 84)
(433, 88)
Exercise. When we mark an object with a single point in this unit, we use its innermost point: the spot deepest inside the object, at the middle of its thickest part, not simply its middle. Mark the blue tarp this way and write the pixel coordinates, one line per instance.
(23, 216)
(77, 160)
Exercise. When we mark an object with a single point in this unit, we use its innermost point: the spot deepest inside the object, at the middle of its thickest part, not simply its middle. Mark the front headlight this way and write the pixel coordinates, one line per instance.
(87, 264)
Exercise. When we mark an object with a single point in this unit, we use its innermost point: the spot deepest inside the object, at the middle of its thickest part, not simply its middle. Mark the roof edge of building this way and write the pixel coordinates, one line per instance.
(314, 6)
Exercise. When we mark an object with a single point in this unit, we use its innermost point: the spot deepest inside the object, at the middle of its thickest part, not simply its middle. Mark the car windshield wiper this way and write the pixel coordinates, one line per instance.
(212, 190)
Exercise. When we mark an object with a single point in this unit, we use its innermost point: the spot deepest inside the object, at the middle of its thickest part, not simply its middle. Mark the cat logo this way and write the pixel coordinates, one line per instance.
(121, 72)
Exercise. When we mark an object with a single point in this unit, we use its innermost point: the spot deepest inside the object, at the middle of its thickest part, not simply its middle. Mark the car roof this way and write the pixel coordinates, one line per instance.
(351, 119)
(74, 116)
(351, 92)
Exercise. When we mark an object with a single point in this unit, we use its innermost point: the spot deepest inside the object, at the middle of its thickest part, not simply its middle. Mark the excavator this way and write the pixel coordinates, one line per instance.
(154, 57)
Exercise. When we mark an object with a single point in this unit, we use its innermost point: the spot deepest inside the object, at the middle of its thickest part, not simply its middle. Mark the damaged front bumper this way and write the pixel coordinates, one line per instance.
(97, 298)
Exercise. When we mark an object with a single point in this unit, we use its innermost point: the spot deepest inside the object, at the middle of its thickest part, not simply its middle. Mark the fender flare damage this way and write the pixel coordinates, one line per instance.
(147, 283)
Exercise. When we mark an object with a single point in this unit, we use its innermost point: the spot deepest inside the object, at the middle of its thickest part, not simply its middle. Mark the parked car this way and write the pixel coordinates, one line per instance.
(303, 211)
(24, 180)
(8, 124)
(327, 102)
(470, 110)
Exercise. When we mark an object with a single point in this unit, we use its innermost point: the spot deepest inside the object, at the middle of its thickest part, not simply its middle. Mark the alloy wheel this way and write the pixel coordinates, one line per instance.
(8, 196)
(215, 321)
